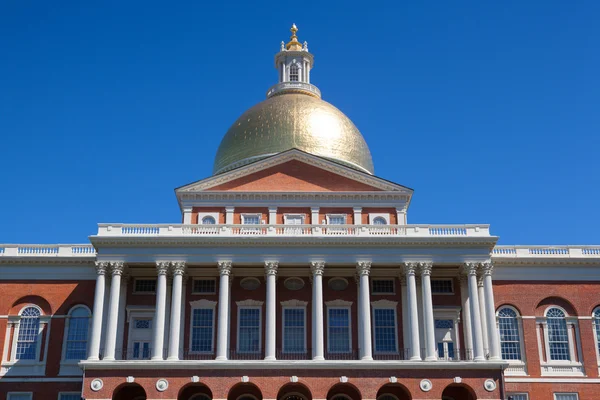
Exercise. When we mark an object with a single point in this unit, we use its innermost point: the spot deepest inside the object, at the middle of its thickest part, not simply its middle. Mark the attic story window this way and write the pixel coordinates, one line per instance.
(145, 286)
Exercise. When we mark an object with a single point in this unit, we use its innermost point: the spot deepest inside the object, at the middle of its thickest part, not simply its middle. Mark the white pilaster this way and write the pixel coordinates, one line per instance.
(113, 311)
(482, 313)
(187, 215)
(158, 338)
(175, 325)
(405, 330)
(182, 314)
(122, 317)
(490, 313)
(272, 215)
(357, 215)
(314, 215)
(364, 310)
(317, 269)
(471, 271)
(401, 216)
(413, 314)
(94, 349)
(229, 215)
(271, 310)
(428, 311)
(222, 329)
(466, 314)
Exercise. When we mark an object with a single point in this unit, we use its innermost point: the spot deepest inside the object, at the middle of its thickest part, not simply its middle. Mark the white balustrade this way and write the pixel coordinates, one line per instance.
(47, 250)
(545, 251)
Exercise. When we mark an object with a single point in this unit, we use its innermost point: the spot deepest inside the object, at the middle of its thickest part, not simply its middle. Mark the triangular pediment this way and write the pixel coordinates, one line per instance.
(294, 171)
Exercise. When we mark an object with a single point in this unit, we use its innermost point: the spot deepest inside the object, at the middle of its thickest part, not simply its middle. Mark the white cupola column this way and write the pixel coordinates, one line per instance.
(113, 311)
(94, 349)
(176, 295)
(158, 338)
(484, 329)
(224, 300)
(317, 268)
(428, 322)
(466, 315)
(413, 311)
(364, 310)
(471, 271)
(271, 310)
(490, 311)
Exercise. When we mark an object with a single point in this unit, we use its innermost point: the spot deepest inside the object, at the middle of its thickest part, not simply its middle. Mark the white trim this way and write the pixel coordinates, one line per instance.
(392, 293)
(329, 216)
(342, 305)
(246, 215)
(595, 329)
(385, 305)
(69, 367)
(201, 278)
(133, 313)
(338, 303)
(286, 216)
(249, 304)
(553, 380)
(202, 215)
(292, 305)
(514, 363)
(202, 304)
(385, 216)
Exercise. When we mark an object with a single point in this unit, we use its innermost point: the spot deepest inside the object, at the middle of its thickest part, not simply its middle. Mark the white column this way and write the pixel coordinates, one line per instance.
(94, 349)
(405, 330)
(121, 355)
(308, 74)
(317, 269)
(271, 310)
(222, 328)
(428, 311)
(229, 215)
(357, 215)
(175, 325)
(413, 313)
(364, 310)
(466, 314)
(272, 215)
(187, 215)
(401, 216)
(471, 271)
(490, 313)
(113, 311)
(158, 338)
(314, 216)
(283, 79)
(482, 313)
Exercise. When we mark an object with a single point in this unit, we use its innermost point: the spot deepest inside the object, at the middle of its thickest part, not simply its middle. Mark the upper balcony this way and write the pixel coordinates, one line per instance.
(291, 87)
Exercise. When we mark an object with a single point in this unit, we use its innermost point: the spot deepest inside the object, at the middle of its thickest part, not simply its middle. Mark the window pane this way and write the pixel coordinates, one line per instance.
(293, 330)
(558, 337)
(379, 221)
(208, 221)
(205, 286)
(441, 286)
(517, 396)
(385, 330)
(145, 285)
(28, 334)
(249, 330)
(202, 330)
(77, 335)
(70, 396)
(339, 330)
(510, 341)
(565, 396)
(382, 286)
(251, 219)
(20, 396)
(337, 220)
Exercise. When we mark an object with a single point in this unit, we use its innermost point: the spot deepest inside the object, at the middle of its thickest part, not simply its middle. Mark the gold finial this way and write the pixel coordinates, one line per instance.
(294, 44)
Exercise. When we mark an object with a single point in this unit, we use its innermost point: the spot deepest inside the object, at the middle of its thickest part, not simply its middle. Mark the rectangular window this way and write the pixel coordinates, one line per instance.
(202, 330)
(382, 286)
(294, 330)
(446, 350)
(566, 396)
(338, 335)
(20, 396)
(517, 396)
(249, 330)
(145, 286)
(205, 286)
(337, 219)
(558, 338)
(384, 322)
(251, 219)
(69, 396)
(77, 335)
(442, 286)
(141, 350)
(142, 323)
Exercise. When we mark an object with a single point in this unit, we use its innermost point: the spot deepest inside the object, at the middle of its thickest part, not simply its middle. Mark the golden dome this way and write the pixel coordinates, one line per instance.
(291, 120)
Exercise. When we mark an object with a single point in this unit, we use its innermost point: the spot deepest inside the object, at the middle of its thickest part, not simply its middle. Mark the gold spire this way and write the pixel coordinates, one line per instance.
(294, 44)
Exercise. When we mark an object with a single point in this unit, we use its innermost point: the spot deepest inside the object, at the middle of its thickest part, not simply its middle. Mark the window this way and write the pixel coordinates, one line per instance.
(29, 332)
(141, 350)
(558, 336)
(379, 221)
(384, 322)
(566, 396)
(202, 330)
(249, 330)
(294, 73)
(69, 396)
(336, 219)
(338, 330)
(294, 332)
(145, 286)
(208, 220)
(77, 334)
(205, 286)
(442, 286)
(517, 396)
(20, 396)
(444, 338)
(510, 336)
(596, 318)
(382, 286)
(251, 219)
(142, 324)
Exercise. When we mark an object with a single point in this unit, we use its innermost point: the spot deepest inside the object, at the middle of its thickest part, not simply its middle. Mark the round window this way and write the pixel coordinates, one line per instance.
(294, 283)
(338, 284)
(250, 283)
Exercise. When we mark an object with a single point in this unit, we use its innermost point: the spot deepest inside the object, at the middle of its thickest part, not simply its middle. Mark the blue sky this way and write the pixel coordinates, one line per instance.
(489, 110)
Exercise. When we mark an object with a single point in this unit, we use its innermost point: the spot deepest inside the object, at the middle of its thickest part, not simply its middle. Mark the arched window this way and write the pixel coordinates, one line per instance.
(208, 221)
(77, 334)
(596, 317)
(294, 73)
(558, 335)
(29, 332)
(379, 221)
(510, 337)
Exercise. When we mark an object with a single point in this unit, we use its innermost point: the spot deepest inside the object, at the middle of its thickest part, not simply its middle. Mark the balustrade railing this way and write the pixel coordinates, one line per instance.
(545, 251)
(47, 250)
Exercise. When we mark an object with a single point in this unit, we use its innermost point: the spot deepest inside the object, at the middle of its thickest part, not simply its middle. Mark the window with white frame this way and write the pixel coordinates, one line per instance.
(336, 219)
(69, 396)
(384, 330)
(566, 396)
(517, 396)
(249, 329)
(28, 336)
(77, 331)
(294, 329)
(557, 335)
(382, 286)
(204, 286)
(294, 73)
(145, 285)
(510, 334)
(338, 330)
(445, 338)
(251, 219)
(442, 286)
(201, 339)
(596, 318)
(379, 221)
(139, 336)
(19, 396)
(208, 220)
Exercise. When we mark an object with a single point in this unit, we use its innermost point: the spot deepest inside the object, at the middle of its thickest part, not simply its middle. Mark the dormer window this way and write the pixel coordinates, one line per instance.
(294, 73)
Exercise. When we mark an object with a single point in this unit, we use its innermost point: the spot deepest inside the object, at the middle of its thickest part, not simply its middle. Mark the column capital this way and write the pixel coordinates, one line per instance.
(487, 268)
(117, 267)
(162, 267)
(101, 267)
(317, 267)
(402, 279)
(470, 268)
(425, 268)
(224, 267)
(271, 267)
(480, 281)
(178, 267)
(363, 268)
(410, 268)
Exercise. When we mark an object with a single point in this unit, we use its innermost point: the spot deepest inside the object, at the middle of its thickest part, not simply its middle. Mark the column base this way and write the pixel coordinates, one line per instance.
(156, 358)
(415, 358)
(495, 358)
(93, 359)
(108, 359)
(173, 358)
(432, 358)
(367, 358)
(479, 359)
(270, 358)
(221, 358)
(318, 358)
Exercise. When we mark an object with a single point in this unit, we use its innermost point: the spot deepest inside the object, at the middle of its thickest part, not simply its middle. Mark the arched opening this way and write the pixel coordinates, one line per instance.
(393, 391)
(129, 391)
(208, 221)
(458, 392)
(294, 391)
(195, 391)
(244, 391)
(343, 391)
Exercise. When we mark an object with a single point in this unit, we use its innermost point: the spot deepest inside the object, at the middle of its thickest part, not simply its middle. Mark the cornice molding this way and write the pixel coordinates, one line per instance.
(294, 303)
(249, 302)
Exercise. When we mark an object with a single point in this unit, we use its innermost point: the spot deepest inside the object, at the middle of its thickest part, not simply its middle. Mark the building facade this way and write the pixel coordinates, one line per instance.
(294, 275)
